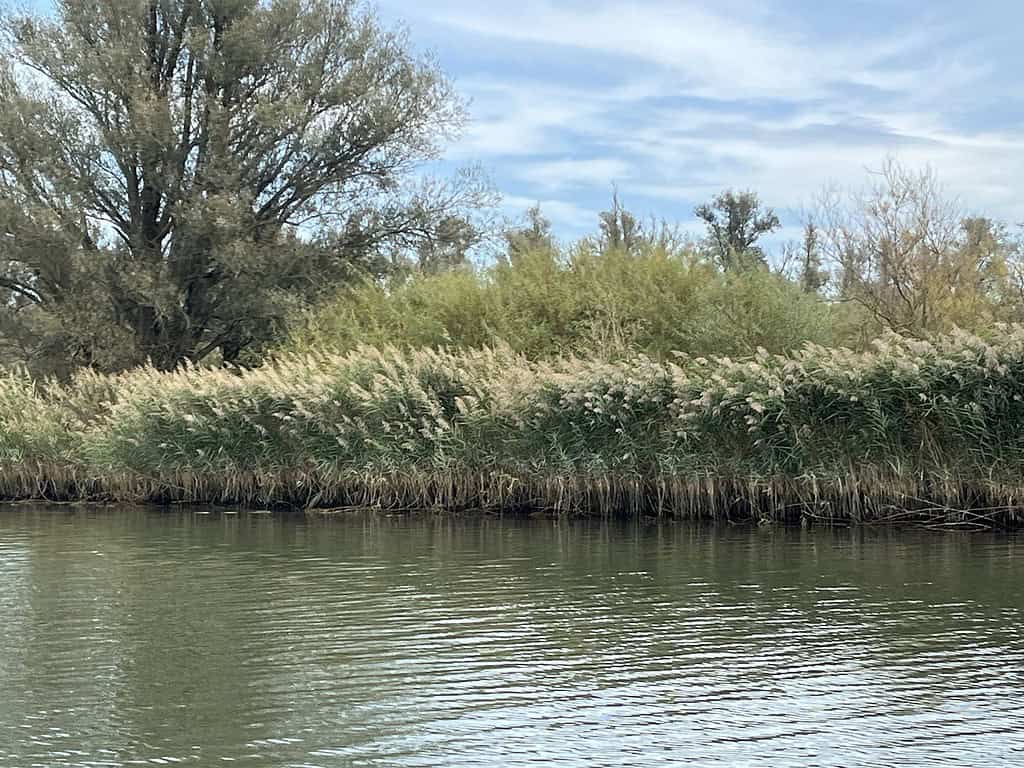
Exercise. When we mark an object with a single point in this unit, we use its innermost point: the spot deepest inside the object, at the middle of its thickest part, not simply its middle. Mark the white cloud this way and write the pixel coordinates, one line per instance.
(569, 173)
(516, 117)
(983, 171)
(688, 98)
(561, 213)
(712, 55)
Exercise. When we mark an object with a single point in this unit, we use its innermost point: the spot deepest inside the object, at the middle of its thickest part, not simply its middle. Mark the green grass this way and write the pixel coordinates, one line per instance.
(909, 429)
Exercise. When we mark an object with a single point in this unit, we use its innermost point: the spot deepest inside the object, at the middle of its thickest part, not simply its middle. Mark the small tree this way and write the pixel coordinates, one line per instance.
(619, 229)
(192, 169)
(909, 255)
(449, 248)
(622, 232)
(735, 222)
(812, 277)
(533, 234)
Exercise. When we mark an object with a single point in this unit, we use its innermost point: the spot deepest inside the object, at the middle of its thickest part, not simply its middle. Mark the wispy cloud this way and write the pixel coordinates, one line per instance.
(570, 173)
(713, 55)
(561, 213)
(674, 100)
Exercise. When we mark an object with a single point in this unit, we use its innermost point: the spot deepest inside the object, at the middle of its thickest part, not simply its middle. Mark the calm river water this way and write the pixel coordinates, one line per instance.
(131, 637)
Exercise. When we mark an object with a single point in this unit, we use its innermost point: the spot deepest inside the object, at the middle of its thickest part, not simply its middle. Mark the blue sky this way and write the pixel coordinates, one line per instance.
(672, 101)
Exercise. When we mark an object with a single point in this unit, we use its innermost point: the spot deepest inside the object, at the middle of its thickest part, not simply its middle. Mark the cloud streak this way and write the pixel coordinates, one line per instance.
(673, 101)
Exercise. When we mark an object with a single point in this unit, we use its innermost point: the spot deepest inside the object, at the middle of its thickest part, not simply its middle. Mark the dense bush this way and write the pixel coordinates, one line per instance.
(608, 304)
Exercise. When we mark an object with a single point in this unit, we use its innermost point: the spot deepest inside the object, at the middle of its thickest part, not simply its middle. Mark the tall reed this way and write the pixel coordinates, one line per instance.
(911, 428)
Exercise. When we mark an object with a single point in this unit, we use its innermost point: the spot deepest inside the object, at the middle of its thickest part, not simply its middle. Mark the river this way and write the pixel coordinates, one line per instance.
(147, 637)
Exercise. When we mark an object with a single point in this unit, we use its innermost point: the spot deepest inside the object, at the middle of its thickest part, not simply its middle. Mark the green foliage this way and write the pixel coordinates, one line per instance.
(158, 161)
(607, 303)
(735, 221)
(31, 425)
(745, 311)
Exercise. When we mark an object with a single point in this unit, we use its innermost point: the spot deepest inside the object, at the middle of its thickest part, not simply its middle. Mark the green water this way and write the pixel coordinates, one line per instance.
(132, 637)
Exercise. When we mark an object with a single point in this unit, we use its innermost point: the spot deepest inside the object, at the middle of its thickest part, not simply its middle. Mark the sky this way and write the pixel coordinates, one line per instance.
(671, 101)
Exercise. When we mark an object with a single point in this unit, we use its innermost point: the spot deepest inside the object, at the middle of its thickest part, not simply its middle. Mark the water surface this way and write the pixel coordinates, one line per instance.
(134, 637)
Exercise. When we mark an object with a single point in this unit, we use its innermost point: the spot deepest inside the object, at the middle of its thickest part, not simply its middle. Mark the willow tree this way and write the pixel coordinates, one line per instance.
(175, 175)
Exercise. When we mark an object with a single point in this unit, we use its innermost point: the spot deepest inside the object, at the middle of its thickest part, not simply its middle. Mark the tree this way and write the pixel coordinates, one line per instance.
(622, 232)
(735, 221)
(986, 274)
(192, 169)
(619, 229)
(534, 234)
(812, 277)
(909, 255)
(449, 248)
(1013, 251)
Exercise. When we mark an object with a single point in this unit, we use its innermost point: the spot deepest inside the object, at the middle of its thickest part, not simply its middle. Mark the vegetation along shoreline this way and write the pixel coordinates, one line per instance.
(909, 430)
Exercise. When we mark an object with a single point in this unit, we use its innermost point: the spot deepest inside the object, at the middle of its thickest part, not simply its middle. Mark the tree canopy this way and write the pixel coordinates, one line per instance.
(735, 221)
(176, 175)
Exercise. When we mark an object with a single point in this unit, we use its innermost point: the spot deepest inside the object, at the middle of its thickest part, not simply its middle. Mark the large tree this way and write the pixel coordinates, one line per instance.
(176, 174)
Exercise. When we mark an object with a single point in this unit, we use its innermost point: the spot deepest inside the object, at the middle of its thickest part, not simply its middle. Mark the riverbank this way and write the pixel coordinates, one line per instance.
(910, 430)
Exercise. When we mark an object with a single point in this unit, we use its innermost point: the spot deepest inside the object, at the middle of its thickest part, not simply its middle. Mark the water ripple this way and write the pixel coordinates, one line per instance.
(136, 638)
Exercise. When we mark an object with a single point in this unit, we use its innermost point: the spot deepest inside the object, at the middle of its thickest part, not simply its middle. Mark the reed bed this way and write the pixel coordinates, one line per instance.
(909, 430)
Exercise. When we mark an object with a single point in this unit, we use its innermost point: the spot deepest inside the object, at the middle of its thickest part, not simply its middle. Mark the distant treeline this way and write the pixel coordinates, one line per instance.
(898, 257)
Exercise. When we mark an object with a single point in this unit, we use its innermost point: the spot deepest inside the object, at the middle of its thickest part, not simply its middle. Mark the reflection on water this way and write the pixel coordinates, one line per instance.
(136, 637)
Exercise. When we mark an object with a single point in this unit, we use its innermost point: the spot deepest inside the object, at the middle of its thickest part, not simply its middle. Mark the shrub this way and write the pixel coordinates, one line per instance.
(601, 304)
